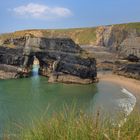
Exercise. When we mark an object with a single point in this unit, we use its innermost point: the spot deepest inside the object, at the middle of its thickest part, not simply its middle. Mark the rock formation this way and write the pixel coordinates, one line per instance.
(71, 63)
(125, 43)
(121, 42)
(118, 38)
(130, 46)
(130, 70)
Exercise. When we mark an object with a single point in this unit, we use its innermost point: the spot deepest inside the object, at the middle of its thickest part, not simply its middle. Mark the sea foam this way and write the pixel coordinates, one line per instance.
(128, 103)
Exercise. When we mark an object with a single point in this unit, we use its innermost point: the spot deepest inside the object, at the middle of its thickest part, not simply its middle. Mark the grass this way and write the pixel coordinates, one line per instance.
(129, 26)
(72, 125)
(79, 35)
(82, 36)
(133, 26)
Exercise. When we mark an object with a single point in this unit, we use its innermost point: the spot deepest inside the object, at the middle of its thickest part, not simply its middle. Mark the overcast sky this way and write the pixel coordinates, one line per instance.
(44, 14)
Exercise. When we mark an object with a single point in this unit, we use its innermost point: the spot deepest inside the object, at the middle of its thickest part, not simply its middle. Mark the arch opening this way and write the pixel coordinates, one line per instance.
(35, 66)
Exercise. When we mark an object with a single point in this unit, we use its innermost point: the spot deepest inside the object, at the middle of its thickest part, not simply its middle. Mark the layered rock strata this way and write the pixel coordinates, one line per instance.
(125, 43)
(61, 60)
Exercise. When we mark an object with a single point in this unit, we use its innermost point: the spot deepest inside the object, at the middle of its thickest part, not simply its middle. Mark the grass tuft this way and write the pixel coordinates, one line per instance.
(73, 125)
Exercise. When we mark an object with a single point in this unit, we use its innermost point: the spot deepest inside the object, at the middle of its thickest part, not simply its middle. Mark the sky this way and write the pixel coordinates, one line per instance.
(52, 14)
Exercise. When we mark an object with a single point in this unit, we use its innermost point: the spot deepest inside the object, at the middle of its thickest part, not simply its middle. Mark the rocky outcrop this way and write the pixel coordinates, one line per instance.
(125, 43)
(65, 78)
(60, 59)
(11, 56)
(130, 70)
(130, 46)
(116, 36)
(11, 63)
(110, 36)
(120, 41)
(7, 71)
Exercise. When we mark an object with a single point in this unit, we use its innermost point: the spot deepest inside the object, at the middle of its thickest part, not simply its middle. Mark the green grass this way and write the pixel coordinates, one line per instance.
(82, 36)
(79, 35)
(134, 26)
(71, 125)
(129, 26)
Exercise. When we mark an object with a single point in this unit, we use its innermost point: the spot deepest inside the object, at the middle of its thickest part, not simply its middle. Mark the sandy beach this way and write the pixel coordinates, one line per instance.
(130, 84)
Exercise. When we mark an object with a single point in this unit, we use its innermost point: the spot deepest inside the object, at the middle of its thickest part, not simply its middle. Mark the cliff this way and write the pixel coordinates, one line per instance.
(114, 37)
(123, 39)
(120, 40)
(124, 42)
(60, 59)
(84, 36)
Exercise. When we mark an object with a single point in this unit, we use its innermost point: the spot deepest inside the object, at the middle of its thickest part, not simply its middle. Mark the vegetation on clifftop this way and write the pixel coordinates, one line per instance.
(82, 36)
(129, 27)
(133, 26)
(79, 35)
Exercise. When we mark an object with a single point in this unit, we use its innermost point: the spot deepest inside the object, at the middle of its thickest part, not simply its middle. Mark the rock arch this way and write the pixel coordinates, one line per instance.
(72, 65)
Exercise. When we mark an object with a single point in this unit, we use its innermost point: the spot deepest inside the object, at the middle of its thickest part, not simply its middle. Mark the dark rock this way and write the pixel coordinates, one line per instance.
(11, 56)
(132, 58)
(61, 52)
(130, 70)
(16, 42)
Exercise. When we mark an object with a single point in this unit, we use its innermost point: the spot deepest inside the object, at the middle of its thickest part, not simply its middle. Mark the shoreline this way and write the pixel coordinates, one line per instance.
(130, 84)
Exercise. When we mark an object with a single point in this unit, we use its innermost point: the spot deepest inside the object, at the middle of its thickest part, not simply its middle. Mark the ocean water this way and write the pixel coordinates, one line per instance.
(21, 100)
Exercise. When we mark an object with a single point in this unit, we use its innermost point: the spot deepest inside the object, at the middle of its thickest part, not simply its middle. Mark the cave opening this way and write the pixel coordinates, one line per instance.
(35, 66)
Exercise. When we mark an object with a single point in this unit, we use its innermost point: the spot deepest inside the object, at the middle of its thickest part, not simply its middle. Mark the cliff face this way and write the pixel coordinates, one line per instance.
(111, 36)
(129, 46)
(122, 39)
(60, 59)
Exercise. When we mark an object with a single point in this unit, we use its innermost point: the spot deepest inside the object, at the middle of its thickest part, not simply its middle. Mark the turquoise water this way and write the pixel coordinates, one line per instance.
(21, 100)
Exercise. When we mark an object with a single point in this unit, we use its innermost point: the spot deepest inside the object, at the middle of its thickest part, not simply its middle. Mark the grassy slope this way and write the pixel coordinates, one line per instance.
(69, 126)
(133, 26)
(81, 36)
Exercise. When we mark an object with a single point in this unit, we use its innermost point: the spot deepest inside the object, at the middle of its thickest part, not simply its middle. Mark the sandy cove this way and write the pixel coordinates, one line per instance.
(130, 84)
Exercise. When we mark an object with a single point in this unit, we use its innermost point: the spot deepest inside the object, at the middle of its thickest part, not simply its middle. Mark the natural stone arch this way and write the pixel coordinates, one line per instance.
(72, 64)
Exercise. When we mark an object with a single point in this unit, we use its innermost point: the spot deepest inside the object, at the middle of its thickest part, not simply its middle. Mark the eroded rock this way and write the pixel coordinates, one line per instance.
(71, 66)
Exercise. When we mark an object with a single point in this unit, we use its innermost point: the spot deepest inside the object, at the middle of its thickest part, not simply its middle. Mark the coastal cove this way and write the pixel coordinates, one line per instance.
(22, 100)
(70, 70)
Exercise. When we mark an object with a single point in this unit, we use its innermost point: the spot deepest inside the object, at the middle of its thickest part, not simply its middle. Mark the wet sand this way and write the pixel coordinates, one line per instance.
(130, 84)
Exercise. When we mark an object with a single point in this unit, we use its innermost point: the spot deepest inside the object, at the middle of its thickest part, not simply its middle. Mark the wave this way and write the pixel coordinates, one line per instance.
(128, 103)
